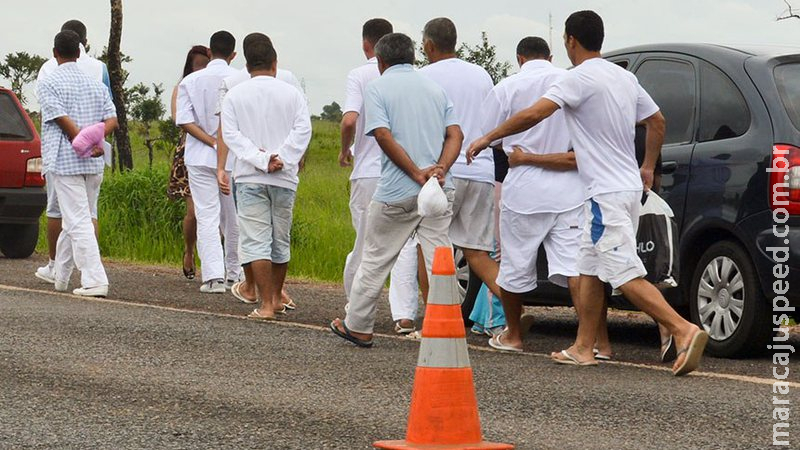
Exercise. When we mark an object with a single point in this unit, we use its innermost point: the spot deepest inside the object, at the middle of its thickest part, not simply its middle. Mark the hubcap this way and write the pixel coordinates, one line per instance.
(462, 273)
(720, 298)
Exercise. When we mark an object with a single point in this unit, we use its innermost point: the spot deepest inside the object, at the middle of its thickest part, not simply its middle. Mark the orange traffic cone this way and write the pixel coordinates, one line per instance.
(444, 410)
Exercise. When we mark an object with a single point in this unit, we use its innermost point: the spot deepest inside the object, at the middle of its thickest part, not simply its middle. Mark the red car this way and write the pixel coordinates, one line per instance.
(22, 196)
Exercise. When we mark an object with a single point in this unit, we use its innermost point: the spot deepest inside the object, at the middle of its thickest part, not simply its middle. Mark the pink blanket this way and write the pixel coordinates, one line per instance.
(89, 138)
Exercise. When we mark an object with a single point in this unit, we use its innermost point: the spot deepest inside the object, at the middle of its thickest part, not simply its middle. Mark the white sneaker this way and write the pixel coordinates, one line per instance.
(62, 286)
(97, 291)
(213, 287)
(46, 273)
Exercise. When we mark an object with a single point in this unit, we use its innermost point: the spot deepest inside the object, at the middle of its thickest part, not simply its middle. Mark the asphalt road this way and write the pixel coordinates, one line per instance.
(159, 365)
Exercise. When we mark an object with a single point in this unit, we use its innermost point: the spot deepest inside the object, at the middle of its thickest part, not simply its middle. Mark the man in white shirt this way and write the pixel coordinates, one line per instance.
(542, 196)
(602, 103)
(245, 290)
(466, 85)
(96, 70)
(364, 155)
(266, 125)
(198, 96)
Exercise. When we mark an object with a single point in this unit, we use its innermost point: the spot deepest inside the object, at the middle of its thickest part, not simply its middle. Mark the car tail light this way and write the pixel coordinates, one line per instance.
(33, 172)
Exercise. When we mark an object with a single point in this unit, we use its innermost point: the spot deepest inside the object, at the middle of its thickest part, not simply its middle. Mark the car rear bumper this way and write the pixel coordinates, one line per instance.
(22, 206)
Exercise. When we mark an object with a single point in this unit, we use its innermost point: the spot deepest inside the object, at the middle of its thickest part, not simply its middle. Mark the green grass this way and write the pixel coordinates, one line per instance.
(139, 223)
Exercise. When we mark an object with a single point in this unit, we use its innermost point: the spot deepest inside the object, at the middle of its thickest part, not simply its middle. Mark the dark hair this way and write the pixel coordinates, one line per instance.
(222, 44)
(395, 48)
(374, 29)
(67, 44)
(259, 52)
(587, 28)
(442, 32)
(78, 27)
(189, 65)
(533, 47)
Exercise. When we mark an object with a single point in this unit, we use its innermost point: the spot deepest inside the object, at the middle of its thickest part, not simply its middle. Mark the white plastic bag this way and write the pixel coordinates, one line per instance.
(657, 242)
(431, 201)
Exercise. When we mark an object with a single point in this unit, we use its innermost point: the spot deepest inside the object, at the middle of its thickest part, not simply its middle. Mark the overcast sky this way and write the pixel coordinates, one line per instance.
(321, 40)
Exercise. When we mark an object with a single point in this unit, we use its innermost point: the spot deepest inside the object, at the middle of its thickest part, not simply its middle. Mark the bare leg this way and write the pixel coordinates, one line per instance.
(53, 230)
(189, 235)
(603, 343)
(248, 288)
(485, 267)
(278, 278)
(422, 273)
(512, 307)
(262, 277)
(590, 310)
(648, 299)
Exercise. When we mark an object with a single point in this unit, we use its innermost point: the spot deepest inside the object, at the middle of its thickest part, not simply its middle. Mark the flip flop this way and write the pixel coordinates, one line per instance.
(569, 359)
(669, 351)
(600, 356)
(255, 315)
(349, 337)
(694, 352)
(496, 343)
(281, 311)
(399, 329)
(290, 305)
(235, 290)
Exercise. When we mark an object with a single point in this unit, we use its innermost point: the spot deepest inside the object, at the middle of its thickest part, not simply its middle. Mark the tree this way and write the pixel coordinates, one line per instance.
(147, 109)
(332, 112)
(788, 13)
(483, 54)
(20, 69)
(115, 73)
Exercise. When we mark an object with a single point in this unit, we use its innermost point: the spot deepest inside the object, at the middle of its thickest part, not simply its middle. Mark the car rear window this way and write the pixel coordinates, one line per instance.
(787, 78)
(13, 126)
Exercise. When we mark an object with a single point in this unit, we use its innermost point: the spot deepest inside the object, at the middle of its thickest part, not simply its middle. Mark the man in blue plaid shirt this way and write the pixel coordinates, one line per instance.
(70, 100)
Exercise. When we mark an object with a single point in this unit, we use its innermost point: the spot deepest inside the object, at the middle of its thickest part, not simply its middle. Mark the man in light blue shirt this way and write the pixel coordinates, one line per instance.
(413, 122)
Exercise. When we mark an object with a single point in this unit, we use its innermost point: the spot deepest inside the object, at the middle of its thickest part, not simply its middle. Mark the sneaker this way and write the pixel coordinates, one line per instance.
(97, 291)
(477, 329)
(213, 287)
(46, 273)
(62, 286)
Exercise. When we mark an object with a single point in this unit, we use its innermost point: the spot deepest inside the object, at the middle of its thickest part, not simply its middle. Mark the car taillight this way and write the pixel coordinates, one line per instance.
(33, 173)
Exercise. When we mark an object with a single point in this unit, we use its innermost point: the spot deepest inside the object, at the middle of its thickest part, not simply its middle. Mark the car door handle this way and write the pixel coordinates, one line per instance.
(669, 167)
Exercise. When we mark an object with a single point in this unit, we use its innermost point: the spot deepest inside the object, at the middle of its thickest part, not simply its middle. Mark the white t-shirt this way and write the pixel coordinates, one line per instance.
(198, 97)
(243, 75)
(466, 85)
(603, 102)
(263, 116)
(92, 67)
(366, 151)
(533, 189)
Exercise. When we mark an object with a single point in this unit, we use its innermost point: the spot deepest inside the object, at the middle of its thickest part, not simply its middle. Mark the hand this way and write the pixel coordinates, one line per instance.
(436, 170)
(647, 178)
(274, 164)
(476, 147)
(224, 182)
(515, 158)
(97, 152)
(213, 143)
(346, 158)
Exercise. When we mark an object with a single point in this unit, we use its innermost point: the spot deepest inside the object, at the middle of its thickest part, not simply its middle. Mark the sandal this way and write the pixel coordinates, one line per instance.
(346, 335)
(694, 352)
(669, 352)
(565, 357)
(235, 290)
(188, 273)
(399, 329)
(258, 316)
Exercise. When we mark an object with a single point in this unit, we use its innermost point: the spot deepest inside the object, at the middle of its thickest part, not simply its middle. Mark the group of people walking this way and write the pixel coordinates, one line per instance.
(573, 184)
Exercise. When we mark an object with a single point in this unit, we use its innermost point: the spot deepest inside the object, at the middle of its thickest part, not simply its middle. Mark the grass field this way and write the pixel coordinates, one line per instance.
(139, 223)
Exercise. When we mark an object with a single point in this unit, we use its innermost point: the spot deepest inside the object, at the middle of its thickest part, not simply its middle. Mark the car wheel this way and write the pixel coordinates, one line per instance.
(468, 285)
(727, 302)
(18, 241)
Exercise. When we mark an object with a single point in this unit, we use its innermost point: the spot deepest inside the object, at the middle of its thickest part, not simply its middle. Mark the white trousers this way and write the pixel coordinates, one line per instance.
(215, 212)
(77, 243)
(404, 285)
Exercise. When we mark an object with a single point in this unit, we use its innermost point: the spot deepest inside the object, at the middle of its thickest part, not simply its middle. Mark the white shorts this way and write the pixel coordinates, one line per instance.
(608, 242)
(521, 235)
(472, 226)
(53, 210)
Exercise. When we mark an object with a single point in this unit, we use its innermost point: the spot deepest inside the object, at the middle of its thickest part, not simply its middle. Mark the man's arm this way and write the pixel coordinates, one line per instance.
(451, 148)
(553, 161)
(519, 122)
(397, 154)
(239, 144)
(223, 180)
(184, 117)
(348, 127)
(655, 126)
(68, 127)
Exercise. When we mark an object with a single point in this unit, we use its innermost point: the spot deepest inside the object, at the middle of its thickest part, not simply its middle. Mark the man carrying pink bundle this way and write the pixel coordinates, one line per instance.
(70, 101)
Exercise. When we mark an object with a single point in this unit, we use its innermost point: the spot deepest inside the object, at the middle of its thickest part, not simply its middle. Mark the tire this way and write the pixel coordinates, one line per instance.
(734, 311)
(468, 285)
(18, 241)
